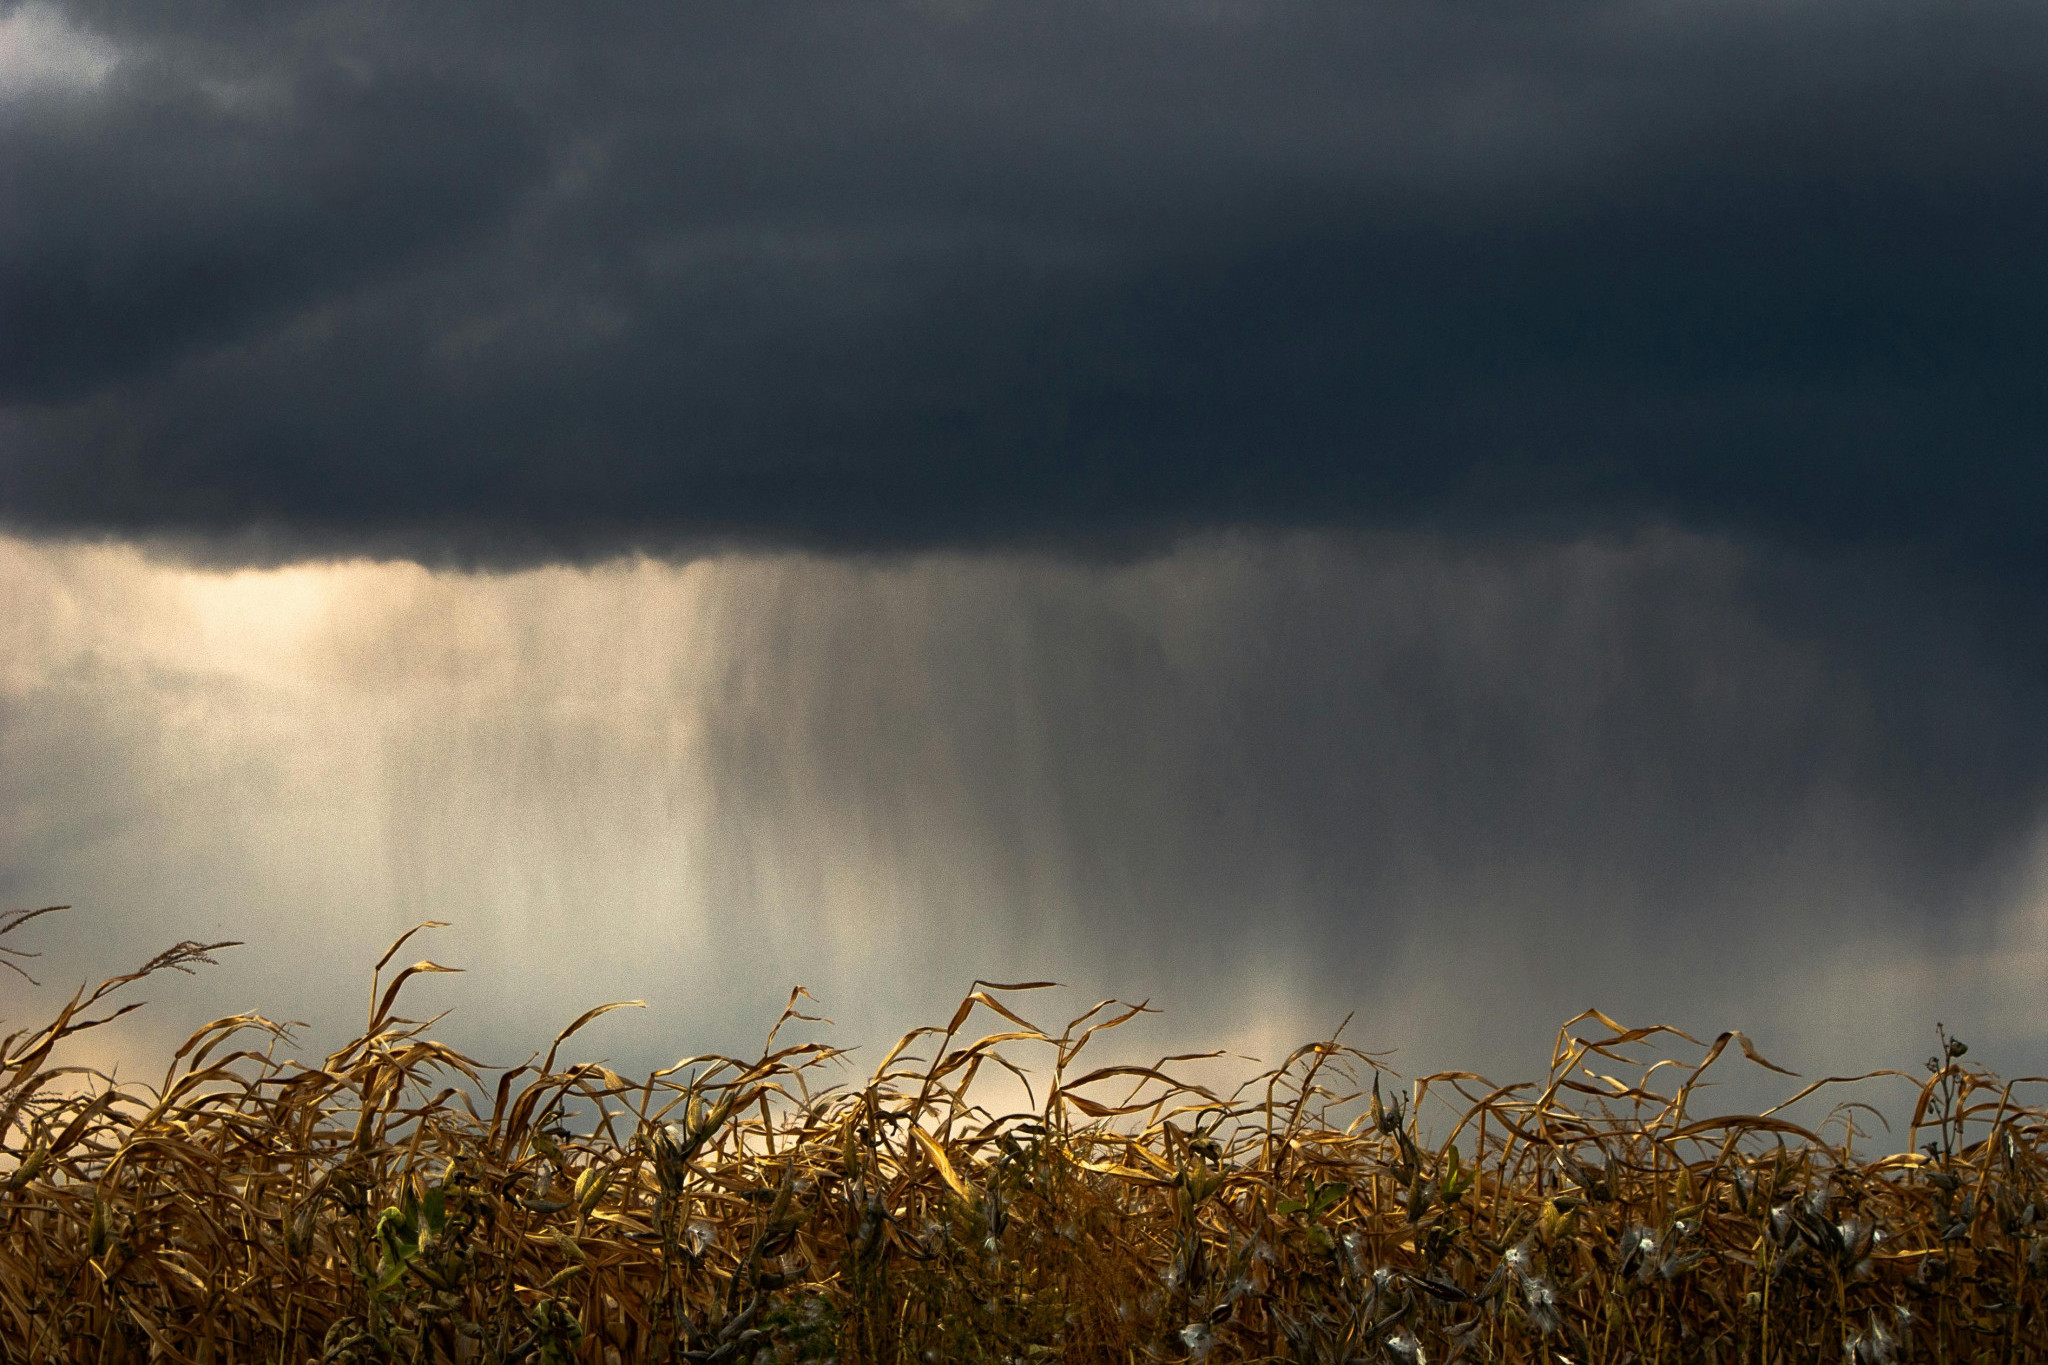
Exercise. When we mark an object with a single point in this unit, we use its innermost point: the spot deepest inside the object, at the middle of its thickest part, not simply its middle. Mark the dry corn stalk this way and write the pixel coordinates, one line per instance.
(396, 1201)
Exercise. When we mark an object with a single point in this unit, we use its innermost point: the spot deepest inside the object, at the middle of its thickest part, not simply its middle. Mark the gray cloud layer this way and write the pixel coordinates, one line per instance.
(479, 285)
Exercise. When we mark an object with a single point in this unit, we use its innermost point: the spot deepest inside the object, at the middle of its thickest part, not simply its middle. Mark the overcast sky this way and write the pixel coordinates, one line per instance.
(1453, 512)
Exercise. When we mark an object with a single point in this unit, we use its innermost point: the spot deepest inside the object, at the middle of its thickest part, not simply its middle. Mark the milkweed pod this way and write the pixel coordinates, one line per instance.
(1354, 1253)
(99, 1237)
(590, 1189)
(849, 1148)
(1404, 1349)
(1519, 1259)
(299, 1236)
(31, 1166)
(1539, 1297)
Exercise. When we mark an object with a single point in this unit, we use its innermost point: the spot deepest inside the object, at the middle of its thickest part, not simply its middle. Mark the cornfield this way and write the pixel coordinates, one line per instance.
(397, 1202)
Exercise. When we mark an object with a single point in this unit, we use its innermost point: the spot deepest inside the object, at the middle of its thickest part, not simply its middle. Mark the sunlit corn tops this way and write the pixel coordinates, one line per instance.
(396, 1202)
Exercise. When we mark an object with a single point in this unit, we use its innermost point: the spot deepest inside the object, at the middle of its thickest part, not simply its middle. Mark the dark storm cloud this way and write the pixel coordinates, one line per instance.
(500, 286)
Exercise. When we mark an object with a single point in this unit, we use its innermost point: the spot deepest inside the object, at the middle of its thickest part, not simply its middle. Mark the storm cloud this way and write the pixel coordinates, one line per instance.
(1452, 512)
(501, 287)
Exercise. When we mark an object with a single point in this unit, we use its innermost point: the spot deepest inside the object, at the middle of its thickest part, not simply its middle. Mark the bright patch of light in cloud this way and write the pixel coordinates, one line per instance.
(41, 51)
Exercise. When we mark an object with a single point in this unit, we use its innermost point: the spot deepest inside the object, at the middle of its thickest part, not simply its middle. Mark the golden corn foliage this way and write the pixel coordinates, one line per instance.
(396, 1202)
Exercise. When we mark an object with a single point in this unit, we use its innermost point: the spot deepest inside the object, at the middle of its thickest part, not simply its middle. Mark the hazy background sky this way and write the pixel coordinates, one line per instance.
(1456, 513)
